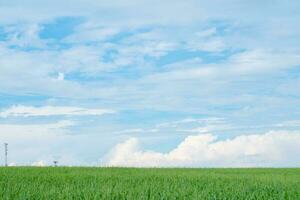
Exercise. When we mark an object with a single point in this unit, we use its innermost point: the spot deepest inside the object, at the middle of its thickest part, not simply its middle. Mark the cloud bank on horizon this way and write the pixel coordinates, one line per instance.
(197, 83)
(277, 149)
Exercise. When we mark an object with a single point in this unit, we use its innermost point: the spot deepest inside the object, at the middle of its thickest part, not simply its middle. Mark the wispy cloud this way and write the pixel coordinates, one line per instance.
(28, 111)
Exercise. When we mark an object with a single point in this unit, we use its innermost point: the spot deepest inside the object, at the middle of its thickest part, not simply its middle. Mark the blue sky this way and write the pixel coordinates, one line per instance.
(146, 83)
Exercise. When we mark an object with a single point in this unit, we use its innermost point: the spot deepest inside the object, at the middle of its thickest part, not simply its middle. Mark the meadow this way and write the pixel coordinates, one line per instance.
(131, 183)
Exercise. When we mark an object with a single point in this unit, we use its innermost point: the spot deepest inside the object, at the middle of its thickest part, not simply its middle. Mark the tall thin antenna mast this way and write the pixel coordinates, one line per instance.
(6, 151)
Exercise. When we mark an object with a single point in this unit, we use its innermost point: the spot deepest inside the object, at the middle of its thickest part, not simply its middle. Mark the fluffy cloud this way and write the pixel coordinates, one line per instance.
(40, 163)
(28, 111)
(270, 149)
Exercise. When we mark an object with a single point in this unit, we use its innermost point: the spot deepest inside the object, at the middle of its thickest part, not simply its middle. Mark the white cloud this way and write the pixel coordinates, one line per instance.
(23, 35)
(121, 12)
(60, 76)
(210, 45)
(250, 62)
(12, 131)
(207, 32)
(206, 41)
(88, 33)
(262, 60)
(291, 123)
(28, 111)
(136, 130)
(82, 58)
(39, 144)
(12, 164)
(40, 163)
(270, 149)
(29, 142)
(124, 72)
(209, 120)
(200, 125)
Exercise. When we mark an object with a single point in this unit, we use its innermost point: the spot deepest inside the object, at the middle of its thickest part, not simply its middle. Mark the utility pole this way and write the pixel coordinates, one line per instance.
(6, 151)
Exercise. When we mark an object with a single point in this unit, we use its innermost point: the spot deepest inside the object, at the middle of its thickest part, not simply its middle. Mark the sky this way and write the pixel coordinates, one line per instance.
(145, 83)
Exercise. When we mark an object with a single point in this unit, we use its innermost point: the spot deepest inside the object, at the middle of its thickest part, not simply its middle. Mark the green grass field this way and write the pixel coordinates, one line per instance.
(128, 183)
